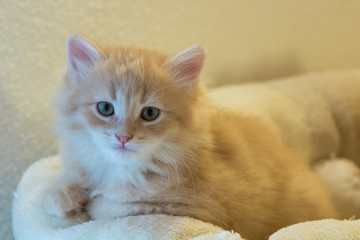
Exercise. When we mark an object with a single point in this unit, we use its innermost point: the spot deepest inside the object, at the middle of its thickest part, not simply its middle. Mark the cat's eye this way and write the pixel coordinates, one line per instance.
(150, 113)
(104, 108)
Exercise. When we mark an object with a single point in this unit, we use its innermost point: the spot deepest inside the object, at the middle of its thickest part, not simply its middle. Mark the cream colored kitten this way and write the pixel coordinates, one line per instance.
(139, 136)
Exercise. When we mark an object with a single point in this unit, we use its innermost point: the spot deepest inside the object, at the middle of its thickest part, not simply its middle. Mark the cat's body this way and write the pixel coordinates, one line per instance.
(317, 114)
(245, 181)
(193, 159)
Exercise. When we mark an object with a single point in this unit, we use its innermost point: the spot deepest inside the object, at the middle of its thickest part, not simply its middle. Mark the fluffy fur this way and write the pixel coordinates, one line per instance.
(195, 159)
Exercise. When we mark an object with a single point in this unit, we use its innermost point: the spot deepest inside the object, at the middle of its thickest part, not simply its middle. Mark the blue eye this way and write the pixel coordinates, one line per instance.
(150, 113)
(104, 108)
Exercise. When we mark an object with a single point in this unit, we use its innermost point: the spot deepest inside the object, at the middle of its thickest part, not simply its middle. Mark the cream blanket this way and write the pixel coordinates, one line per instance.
(31, 222)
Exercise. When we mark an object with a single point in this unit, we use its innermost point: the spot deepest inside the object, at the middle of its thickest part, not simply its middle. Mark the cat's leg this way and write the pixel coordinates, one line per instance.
(66, 198)
(101, 207)
(342, 178)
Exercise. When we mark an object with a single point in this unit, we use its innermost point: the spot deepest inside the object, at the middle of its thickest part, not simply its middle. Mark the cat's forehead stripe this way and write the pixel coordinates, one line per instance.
(122, 105)
(112, 90)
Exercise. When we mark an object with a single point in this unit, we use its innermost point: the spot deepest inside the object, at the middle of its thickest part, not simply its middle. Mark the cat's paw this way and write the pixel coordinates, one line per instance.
(101, 207)
(69, 201)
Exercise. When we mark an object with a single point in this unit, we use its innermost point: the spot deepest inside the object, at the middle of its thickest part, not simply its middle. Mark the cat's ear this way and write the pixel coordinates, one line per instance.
(186, 66)
(82, 54)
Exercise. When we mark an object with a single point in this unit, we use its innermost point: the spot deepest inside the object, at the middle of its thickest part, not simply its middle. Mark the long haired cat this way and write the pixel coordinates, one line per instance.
(139, 136)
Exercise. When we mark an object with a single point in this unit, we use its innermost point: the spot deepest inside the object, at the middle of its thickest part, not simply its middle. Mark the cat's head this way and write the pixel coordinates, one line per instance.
(128, 102)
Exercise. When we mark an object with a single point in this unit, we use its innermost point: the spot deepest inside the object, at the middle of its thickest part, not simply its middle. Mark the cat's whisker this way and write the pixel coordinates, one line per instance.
(171, 162)
(174, 167)
(162, 166)
(185, 163)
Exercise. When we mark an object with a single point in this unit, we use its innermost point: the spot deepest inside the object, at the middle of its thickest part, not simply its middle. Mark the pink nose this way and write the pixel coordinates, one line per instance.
(123, 139)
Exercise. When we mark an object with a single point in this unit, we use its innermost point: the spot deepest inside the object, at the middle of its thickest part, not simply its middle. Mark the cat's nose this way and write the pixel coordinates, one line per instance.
(123, 139)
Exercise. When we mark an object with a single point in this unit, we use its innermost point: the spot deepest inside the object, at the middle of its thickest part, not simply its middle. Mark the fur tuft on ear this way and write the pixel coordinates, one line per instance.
(186, 66)
(82, 54)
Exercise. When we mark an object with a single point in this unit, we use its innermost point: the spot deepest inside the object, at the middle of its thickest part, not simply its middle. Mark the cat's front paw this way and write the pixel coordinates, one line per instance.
(101, 207)
(69, 201)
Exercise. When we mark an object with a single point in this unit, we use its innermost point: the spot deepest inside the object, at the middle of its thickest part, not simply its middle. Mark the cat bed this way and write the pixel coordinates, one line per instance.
(31, 222)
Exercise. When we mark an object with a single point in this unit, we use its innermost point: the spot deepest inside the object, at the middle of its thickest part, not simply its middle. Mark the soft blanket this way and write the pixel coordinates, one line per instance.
(31, 222)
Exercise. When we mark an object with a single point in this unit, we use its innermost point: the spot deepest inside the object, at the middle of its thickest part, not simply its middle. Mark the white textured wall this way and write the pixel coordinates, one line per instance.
(244, 40)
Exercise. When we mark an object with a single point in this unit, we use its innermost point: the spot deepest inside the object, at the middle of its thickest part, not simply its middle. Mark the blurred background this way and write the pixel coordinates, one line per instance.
(245, 40)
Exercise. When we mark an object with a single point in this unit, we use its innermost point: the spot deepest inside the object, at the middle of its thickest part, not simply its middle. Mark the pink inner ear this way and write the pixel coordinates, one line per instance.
(186, 66)
(190, 68)
(74, 65)
(81, 54)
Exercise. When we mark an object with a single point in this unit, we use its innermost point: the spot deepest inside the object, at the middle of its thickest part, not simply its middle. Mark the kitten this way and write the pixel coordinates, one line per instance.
(139, 136)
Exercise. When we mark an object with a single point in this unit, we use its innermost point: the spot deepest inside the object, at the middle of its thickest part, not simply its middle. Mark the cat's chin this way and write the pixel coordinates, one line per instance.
(124, 149)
